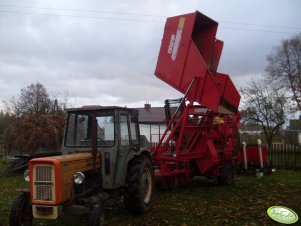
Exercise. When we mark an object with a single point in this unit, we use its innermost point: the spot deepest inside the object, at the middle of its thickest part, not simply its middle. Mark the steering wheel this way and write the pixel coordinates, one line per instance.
(100, 140)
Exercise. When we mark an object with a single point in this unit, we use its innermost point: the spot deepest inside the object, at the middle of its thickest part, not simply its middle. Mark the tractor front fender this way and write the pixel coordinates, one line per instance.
(25, 192)
(142, 152)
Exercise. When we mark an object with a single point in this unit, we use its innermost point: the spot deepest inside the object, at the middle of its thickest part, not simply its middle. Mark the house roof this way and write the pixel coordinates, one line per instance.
(151, 115)
(147, 114)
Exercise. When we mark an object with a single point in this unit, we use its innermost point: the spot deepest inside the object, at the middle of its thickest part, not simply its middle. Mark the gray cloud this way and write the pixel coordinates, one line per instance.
(106, 53)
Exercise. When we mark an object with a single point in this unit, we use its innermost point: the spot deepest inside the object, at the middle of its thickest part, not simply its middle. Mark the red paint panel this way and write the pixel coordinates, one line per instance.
(229, 91)
(181, 35)
(217, 52)
(172, 56)
(187, 48)
(253, 156)
(204, 36)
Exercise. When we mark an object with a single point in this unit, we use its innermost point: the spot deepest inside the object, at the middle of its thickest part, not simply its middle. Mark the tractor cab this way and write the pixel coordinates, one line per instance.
(111, 131)
(114, 126)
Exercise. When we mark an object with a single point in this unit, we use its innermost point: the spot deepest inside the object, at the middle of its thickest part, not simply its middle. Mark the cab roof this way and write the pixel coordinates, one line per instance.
(98, 108)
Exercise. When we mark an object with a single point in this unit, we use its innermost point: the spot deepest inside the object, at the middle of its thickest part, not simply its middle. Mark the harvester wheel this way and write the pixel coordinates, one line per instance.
(170, 182)
(97, 215)
(227, 177)
(21, 212)
(139, 187)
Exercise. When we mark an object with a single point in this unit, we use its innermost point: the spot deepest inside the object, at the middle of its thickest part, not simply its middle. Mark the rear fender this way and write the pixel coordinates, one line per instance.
(142, 152)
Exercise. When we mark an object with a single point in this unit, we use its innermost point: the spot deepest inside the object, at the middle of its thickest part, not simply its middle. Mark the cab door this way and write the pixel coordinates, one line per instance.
(124, 148)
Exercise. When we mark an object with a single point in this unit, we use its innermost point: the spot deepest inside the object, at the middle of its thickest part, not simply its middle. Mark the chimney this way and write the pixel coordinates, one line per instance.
(147, 107)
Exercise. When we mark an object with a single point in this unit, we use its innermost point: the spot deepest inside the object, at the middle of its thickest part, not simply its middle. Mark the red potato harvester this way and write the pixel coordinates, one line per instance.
(202, 137)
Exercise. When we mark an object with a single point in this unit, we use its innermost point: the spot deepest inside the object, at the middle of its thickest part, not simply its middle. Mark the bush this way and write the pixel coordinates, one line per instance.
(30, 134)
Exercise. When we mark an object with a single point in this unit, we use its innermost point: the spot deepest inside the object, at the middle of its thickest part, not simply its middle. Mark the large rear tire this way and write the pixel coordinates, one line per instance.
(21, 212)
(139, 187)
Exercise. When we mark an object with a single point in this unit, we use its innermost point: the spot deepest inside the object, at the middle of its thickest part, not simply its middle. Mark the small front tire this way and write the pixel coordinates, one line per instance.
(97, 215)
(21, 212)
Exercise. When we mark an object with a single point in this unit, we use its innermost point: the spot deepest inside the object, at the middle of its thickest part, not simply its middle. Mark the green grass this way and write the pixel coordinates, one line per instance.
(8, 192)
(198, 203)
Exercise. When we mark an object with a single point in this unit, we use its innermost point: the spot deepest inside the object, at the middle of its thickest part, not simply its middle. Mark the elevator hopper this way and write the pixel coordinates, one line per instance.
(190, 50)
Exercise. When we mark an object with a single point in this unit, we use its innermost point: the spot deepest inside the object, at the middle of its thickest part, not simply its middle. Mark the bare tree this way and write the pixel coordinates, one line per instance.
(285, 67)
(61, 100)
(33, 100)
(266, 106)
(5, 121)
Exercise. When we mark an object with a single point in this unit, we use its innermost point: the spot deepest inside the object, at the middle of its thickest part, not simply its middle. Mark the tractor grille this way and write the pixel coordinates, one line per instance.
(43, 183)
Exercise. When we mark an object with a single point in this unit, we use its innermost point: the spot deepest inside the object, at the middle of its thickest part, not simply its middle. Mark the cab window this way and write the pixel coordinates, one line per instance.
(124, 131)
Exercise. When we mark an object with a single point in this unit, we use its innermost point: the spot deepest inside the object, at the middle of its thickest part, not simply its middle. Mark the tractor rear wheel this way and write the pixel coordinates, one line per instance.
(97, 215)
(227, 175)
(139, 187)
(21, 212)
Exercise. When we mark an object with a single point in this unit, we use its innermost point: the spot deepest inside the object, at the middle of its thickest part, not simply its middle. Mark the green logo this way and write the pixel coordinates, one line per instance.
(282, 214)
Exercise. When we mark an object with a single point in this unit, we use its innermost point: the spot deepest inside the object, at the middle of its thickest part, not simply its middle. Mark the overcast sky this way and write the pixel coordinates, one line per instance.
(105, 52)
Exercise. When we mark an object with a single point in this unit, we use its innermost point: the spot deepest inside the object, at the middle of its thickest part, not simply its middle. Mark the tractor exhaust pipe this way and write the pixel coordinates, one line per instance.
(94, 140)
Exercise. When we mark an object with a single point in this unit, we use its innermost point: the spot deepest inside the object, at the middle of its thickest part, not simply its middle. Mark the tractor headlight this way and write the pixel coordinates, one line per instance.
(26, 175)
(79, 178)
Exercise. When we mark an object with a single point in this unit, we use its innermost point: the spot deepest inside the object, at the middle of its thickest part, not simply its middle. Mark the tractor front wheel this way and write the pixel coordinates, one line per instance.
(97, 215)
(21, 212)
(139, 187)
